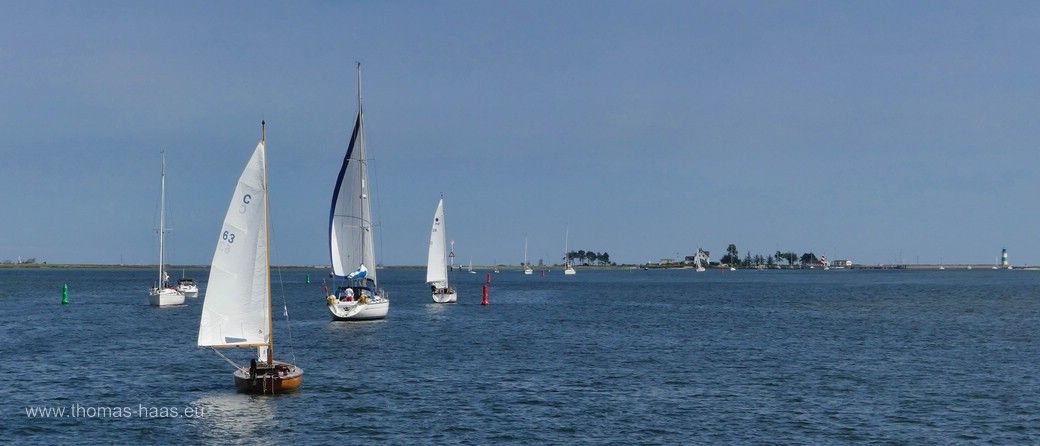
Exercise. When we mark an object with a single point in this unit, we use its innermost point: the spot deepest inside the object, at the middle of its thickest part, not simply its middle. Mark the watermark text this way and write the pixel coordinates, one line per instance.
(141, 411)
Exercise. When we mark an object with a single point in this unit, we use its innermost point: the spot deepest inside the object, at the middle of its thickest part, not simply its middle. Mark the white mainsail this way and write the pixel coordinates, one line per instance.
(237, 309)
(350, 220)
(436, 265)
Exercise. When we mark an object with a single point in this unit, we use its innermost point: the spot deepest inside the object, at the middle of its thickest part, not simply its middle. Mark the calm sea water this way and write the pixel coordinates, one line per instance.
(605, 356)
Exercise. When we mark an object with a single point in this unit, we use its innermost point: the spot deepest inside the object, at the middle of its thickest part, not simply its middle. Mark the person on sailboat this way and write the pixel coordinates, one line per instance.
(348, 295)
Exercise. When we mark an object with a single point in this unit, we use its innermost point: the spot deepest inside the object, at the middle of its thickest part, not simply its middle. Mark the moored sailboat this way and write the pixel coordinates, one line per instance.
(436, 263)
(568, 270)
(163, 294)
(350, 235)
(527, 266)
(237, 310)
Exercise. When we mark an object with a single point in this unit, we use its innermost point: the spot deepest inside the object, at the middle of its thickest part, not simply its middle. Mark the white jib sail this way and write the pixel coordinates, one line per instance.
(350, 225)
(436, 265)
(236, 310)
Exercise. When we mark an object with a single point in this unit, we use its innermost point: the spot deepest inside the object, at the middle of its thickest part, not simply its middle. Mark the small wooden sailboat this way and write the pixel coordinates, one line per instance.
(568, 270)
(350, 235)
(163, 294)
(436, 263)
(237, 310)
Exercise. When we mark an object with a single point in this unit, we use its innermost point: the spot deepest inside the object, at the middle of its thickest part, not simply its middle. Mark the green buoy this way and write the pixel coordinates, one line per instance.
(65, 294)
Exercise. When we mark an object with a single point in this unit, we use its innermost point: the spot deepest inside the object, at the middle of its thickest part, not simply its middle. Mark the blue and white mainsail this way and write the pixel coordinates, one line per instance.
(350, 218)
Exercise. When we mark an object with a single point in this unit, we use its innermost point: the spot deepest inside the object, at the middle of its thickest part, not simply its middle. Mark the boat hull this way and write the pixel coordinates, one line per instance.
(189, 291)
(358, 311)
(446, 298)
(165, 297)
(268, 382)
(569, 272)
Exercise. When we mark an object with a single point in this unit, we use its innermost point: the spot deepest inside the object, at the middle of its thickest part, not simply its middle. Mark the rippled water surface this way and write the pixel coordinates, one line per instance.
(604, 356)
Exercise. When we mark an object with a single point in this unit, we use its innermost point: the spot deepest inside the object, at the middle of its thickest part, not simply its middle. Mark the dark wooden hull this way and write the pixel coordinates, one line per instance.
(282, 378)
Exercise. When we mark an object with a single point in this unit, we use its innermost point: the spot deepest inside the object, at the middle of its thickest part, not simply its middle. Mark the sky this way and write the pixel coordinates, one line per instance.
(875, 131)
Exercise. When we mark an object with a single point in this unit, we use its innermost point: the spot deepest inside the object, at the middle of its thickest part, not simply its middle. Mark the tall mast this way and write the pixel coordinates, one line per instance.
(525, 251)
(361, 172)
(444, 236)
(566, 236)
(162, 217)
(267, 242)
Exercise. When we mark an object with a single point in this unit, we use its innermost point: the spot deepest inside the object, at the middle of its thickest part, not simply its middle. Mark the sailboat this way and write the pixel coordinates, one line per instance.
(700, 259)
(350, 234)
(163, 294)
(436, 263)
(237, 310)
(470, 267)
(527, 266)
(568, 270)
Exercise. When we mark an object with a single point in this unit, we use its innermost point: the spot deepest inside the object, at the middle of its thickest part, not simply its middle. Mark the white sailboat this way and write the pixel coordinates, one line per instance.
(436, 260)
(701, 259)
(163, 294)
(568, 270)
(470, 267)
(527, 266)
(350, 234)
(237, 310)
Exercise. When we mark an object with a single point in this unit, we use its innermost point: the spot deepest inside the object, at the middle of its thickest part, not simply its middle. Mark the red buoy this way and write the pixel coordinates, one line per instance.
(485, 301)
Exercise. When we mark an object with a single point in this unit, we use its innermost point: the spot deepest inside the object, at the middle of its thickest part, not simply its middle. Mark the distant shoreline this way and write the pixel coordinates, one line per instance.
(911, 266)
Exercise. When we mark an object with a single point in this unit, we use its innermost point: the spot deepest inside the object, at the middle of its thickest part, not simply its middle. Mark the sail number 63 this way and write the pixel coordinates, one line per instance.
(228, 237)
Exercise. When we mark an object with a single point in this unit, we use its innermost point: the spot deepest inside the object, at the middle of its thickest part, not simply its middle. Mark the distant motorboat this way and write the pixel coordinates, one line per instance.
(188, 286)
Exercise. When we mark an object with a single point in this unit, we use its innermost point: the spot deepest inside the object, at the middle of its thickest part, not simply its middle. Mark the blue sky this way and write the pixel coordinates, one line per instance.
(872, 130)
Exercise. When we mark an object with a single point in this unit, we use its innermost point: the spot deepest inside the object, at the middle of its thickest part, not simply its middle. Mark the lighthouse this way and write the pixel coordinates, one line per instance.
(1003, 257)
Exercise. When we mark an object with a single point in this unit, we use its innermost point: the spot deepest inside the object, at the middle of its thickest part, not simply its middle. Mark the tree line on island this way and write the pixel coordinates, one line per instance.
(589, 258)
(732, 258)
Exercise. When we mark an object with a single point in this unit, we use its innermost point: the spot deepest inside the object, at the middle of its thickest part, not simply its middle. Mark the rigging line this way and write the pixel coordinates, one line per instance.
(237, 367)
(285, 311)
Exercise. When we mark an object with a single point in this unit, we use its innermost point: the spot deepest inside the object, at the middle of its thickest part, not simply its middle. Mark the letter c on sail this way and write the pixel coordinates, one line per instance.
(245, 199)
